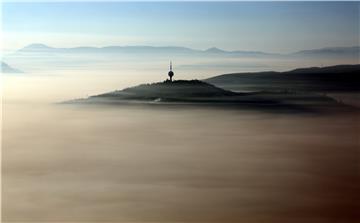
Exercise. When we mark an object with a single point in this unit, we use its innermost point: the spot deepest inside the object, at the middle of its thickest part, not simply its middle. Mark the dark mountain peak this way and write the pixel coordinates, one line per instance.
(339, 78)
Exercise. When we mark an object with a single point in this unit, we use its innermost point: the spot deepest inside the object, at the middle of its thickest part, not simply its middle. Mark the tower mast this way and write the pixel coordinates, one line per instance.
(171, 73)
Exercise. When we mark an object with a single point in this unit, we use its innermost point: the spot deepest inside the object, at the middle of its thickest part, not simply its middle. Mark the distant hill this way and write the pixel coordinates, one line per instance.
(36, 47)
(5, 68)
(324, 79)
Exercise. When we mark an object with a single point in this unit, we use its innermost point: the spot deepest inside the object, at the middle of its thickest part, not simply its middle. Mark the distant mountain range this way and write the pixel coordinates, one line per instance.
(138, 50)
(5, 68)
(316, 79)
(171, 50)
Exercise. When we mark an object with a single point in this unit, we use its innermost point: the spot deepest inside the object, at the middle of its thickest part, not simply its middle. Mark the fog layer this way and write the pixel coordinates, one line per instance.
(135, 164)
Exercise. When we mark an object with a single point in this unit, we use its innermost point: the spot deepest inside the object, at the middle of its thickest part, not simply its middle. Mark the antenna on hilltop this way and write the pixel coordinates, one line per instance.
(171, 73)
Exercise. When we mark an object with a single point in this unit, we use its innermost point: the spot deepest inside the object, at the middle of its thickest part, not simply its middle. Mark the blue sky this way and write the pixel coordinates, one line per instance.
(260, 26)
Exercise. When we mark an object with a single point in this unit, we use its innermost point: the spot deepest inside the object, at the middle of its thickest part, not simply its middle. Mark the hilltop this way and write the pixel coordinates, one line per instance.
(167, 91)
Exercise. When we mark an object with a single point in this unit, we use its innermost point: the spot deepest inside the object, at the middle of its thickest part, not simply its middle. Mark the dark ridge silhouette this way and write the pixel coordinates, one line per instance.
(199, 93)
(340, 78)
(170, 90)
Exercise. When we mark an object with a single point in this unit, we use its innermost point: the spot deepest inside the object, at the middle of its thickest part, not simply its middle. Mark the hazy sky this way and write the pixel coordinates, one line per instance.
(263, 26)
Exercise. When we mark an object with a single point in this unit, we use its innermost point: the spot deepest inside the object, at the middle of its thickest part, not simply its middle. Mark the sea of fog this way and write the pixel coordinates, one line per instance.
(64, 163)
(71, 163)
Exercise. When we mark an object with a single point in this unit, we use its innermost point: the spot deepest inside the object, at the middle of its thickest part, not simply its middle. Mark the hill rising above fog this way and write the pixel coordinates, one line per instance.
(196, 93)
(179, 90)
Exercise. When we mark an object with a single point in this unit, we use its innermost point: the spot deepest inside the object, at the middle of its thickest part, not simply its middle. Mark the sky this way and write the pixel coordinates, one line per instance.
(260, 26)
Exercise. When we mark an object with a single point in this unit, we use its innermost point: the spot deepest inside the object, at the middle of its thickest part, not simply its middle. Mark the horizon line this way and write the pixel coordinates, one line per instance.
(185, 47)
